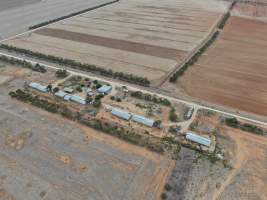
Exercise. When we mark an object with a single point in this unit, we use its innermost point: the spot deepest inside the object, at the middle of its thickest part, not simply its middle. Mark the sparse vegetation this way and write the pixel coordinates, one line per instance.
(149, 97)
(233, 122)
(80, 66)
(173, 116)
(147, 141)
(13, 61)
(62, 73)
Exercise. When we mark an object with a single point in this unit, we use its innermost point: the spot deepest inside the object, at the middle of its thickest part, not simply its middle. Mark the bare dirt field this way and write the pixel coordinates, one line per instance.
(16, 16)
(233, 71)
(46, 157)
(145, 38)
(6, 5)
(253, 11)
(246, 178)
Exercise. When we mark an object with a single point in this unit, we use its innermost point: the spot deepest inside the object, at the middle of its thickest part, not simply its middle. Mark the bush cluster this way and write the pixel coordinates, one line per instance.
(13, 61)
(233, 122)
(130, 78)
(62, 73)
(149, 97)
(194, 58)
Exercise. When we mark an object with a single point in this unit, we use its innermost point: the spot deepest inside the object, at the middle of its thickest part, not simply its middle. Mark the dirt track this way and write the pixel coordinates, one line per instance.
(248, 179)
(233, 72)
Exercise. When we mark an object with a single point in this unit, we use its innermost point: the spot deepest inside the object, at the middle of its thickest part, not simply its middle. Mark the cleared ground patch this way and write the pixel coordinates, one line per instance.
(147, 39)
(233, 71)
(5, 5)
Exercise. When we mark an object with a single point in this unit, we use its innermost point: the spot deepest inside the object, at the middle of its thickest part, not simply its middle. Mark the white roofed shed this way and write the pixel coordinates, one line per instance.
(198, 139)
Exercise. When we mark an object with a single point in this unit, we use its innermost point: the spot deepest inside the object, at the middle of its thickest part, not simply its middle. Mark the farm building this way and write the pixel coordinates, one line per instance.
(38, 87)
(142, 120)
(121, 114)
(189, 113)
(78, 99)
(67, 97)
(198, 139)
(68, 90)
(105, 89)
(61, 94)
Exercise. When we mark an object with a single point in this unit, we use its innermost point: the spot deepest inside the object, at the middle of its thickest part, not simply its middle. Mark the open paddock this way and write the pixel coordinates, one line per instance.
(44, 156)
(233, 72)
(143, 38)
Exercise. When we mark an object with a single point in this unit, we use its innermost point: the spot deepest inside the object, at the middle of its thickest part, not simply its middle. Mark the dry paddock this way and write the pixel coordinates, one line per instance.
(44, 156)
(145, 38)
(233, 72)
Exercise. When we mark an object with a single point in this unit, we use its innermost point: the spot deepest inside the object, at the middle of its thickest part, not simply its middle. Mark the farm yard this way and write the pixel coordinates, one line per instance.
(132, 37)
(233, 71)
(44, 156)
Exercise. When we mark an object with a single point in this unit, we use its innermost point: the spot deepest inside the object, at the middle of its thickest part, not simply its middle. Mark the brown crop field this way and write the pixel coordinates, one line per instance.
(233, 72)
(143, 38)
(253, 11)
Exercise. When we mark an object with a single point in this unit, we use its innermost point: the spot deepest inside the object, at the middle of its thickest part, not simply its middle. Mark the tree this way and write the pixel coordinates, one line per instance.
(173, 116)
(158, 123)
(61, 73)
(89, 99)
(56, 89)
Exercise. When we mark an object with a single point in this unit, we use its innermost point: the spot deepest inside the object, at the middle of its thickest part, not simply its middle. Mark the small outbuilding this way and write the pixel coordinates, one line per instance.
(143, 120)
(69, 90)
(198, 139)
(38, 87)
(105, 89)
(121, 114)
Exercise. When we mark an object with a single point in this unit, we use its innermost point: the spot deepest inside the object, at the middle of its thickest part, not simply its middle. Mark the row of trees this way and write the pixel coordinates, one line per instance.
(13, 61)
(147, 141)
(80, 66)
(194, 58)
(149, 97)
(68, 16)
(233, 122)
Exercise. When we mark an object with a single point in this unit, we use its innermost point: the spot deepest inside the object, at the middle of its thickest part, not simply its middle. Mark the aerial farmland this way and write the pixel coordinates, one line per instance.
(133, 100)
(131, 37)
(233, 71)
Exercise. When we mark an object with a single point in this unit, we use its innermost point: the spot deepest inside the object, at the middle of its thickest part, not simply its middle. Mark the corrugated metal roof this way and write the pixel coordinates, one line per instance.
(198, 139)
(60, 94)
(104, 89)
(38, 86)
(121, 114)
(68, 90)
(78, 99)
(142, 120)
(67, 97)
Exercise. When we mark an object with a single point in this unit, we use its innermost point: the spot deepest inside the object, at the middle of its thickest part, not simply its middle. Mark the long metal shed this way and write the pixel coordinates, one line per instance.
(38, 87)
(61, 94)
(78, 99)
(198, 139)
(121, 114)
(143, 120)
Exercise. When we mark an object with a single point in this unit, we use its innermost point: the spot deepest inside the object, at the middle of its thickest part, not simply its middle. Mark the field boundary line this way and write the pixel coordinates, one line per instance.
(33, 30)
